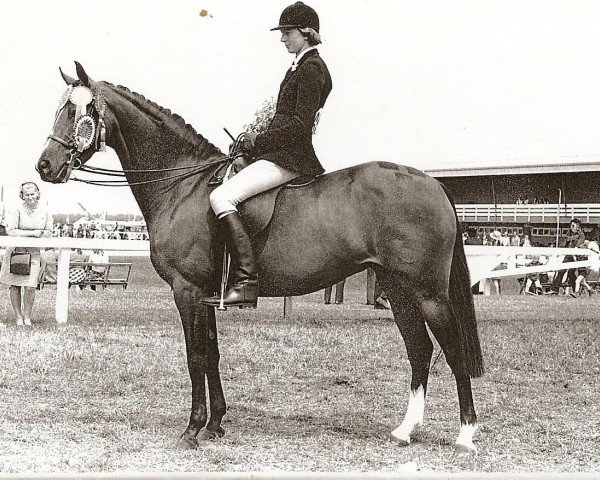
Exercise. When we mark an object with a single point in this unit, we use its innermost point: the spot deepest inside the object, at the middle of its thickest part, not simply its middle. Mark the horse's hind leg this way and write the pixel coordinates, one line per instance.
(419, 349)
(440, 319)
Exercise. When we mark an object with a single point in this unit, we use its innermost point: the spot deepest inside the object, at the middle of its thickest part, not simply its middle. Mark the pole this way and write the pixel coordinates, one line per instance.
(558, 215)
(495, 203)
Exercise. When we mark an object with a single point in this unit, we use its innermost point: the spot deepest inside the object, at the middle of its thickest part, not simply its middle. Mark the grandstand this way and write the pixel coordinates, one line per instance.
(531, 200)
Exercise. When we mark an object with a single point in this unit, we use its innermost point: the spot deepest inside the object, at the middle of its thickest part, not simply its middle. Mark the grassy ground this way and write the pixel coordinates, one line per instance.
(320, 391)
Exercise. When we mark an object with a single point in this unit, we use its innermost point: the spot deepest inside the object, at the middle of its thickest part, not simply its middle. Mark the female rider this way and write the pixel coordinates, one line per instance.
(282, 153)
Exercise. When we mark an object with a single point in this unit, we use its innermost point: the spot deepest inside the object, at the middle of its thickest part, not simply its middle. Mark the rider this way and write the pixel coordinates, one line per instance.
(282, 153)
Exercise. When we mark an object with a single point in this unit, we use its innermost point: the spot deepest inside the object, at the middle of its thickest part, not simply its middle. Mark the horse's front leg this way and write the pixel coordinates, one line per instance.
(215, 389)
(199, 329)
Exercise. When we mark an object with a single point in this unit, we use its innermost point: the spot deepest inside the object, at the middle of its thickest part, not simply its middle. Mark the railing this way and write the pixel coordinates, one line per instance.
(487, 262)
(532, 213)
(64, 246)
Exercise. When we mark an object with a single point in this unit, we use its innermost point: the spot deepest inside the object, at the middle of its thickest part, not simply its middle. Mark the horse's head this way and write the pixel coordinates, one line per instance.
(78, 130)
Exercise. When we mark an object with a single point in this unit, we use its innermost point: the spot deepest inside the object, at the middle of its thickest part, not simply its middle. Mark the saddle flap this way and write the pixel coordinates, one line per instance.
(257, 211)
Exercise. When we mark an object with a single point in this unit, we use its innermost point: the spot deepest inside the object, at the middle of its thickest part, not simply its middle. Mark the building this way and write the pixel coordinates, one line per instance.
(536, 200)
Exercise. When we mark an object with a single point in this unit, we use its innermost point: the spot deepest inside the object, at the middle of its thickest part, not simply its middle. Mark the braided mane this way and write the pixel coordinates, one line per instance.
(200, 146)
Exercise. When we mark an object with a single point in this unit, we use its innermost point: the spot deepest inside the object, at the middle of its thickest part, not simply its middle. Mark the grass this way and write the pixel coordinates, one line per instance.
(320, 391)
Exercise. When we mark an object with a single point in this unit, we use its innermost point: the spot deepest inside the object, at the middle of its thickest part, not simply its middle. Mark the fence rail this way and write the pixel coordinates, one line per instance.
(543, 213)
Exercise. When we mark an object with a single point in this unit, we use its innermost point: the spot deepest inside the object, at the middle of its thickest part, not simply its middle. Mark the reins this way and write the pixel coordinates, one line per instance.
(189, 170)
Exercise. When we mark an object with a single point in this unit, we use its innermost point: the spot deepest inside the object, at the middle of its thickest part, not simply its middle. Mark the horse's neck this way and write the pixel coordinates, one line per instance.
(145, 136)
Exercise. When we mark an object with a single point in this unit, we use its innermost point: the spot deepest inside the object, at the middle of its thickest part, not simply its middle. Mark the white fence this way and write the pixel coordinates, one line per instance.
(497, 262)
(64, 246)
(484, 262)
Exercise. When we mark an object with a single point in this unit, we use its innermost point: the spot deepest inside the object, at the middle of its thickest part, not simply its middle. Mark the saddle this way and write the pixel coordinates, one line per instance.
(257, 211)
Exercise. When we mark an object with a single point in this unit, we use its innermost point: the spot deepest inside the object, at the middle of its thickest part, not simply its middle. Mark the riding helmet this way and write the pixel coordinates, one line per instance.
(298, 15)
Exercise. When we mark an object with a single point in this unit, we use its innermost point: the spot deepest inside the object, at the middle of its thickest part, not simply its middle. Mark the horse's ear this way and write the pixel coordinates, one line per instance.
(85, 80)
(68, 80)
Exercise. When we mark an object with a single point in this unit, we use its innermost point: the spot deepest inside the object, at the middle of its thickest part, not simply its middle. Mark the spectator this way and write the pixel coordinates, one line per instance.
(515, 241)
(575, 239)
(96, 270)
(526, 242)
(2, 219)
(583, 272)
(76, 269)
(30, 219)
(339, 293)
(533, 280)
(496, 238)
(50, 256)
(505, 241)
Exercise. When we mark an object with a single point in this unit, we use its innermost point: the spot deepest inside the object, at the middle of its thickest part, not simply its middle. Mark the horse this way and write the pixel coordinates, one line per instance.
(392, 218)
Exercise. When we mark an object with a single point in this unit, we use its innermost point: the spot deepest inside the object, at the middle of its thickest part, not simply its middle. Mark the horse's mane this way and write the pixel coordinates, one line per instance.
(199, 146)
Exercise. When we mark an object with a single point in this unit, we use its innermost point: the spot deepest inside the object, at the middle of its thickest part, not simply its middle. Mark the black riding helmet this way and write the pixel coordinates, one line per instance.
(298, 15)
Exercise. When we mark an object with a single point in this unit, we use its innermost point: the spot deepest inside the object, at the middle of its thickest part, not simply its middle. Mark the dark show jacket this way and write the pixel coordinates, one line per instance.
(288, 139)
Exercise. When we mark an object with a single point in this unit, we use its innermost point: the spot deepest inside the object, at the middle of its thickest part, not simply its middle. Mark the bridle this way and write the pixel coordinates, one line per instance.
(86, 131)
(89, 134)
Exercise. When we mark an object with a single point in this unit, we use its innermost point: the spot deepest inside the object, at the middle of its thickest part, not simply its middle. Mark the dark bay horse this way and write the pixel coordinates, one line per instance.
(394, 219)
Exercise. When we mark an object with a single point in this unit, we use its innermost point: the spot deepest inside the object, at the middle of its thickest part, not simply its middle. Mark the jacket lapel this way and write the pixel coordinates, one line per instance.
(289, 73)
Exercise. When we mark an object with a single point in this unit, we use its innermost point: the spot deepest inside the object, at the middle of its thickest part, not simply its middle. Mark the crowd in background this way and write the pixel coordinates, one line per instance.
(116, 231)
(524, 200)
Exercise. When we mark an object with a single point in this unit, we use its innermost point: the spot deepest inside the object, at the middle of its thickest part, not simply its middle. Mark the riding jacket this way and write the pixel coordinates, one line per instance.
(288, 139)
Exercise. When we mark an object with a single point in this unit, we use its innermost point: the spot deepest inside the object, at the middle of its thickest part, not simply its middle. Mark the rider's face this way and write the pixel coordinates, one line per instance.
(294, 41)
(574, 227)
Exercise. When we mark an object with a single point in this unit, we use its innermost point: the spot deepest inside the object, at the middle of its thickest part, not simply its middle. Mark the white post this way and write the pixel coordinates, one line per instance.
(558, 216)
(62, 284)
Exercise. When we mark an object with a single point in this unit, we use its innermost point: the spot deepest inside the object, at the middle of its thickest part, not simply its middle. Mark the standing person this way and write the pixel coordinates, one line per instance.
(515, 241)
(283, 152)
(30, 219)
(574, 239)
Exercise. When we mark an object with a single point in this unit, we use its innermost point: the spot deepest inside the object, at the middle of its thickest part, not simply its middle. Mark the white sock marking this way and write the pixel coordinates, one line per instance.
(414, 415)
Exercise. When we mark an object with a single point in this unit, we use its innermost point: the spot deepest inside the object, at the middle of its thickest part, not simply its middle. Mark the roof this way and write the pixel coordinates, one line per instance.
(542, 168)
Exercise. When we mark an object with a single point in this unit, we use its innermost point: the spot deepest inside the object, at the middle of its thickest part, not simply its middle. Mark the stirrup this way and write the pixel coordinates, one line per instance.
(221, 303)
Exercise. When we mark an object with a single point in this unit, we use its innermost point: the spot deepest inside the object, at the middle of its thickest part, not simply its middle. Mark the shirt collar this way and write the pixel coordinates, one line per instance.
(297, 59)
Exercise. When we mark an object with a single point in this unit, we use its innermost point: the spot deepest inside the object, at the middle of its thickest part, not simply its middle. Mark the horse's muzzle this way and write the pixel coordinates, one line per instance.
(44, 168)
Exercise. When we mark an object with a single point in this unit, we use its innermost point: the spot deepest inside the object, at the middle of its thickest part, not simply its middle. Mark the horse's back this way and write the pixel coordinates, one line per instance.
(379, 190)
(376, 213)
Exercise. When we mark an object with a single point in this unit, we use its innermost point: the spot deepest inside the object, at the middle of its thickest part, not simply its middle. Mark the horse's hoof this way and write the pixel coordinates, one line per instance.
(403, 442)
(205, 434)
(460, 448)
(187, 443)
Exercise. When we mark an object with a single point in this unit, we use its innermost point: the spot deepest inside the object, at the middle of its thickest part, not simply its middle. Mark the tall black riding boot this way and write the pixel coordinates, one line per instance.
(244, 291)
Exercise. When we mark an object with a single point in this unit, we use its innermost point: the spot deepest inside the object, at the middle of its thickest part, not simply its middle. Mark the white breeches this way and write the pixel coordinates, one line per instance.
(255, 178)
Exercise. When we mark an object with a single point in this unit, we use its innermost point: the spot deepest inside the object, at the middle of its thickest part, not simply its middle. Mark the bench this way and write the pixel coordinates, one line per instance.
(113, 274)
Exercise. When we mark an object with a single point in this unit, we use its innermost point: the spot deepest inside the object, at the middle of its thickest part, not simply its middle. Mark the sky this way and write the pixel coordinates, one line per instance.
(422, 83)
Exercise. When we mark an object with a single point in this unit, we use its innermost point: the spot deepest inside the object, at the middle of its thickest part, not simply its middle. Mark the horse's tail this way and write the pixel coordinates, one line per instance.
(462, 306)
